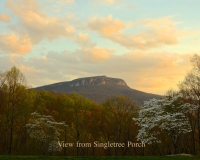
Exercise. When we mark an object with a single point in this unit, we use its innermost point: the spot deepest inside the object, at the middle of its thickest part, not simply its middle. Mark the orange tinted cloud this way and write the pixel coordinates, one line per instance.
(67, 1)
(164, 21)
(4, 17)
(154, 72)
(11, 43)
(94, 54)
(105, 2)
(83, 39)
(110, 1)
(157, 32)
(106, 26)
(164, 29)
(36, 23)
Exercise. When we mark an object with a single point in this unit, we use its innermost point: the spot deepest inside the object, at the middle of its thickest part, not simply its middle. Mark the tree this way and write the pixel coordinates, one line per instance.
(14, 92)
(118, 113)
(2, 80)
(80, 119)
(46, 130)
(166, 115)
(2, 90)
(190, 88)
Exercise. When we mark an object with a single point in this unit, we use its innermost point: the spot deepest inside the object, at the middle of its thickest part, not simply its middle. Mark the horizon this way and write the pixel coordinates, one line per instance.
(147, 44)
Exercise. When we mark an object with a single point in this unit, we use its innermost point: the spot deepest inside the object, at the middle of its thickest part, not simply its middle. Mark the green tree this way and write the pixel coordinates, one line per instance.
(80, 121)
(15, 96)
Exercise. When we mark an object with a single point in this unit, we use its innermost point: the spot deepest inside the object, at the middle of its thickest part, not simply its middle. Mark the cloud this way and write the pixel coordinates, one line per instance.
(66, 1)
(131, 7)
(156, 32)
(61, 1)
(12, 44)
(94, 54)
(62, 57)
(153, 72)
(84, 39)
(160, 71)
(105, 2)
(164, 21)
(37, 24)
(110, 1)
(106, 26)
(4, 17)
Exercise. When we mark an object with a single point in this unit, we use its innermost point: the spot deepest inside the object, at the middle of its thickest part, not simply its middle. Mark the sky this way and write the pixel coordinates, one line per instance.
(146, 43)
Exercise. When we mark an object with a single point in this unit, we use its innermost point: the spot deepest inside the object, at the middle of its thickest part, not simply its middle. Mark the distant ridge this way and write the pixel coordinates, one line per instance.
(99, 88)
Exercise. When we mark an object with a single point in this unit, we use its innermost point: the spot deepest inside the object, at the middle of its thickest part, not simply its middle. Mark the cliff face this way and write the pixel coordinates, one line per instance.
(97, 80)
(99, 88)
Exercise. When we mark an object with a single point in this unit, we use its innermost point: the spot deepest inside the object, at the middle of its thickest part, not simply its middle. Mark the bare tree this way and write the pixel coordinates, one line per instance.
(190, 88)
(118, 112)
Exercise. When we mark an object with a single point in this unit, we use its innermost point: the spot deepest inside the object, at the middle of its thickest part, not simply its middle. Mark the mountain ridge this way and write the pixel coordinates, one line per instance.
(99, 88)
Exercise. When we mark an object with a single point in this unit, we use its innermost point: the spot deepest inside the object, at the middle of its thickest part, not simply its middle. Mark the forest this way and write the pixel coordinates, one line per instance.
(49, 123)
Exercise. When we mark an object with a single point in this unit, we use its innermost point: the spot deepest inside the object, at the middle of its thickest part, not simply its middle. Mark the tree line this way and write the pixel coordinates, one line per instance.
(47, 123)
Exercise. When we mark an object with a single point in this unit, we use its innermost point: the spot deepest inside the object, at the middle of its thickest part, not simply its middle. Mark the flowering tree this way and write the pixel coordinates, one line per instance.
(167, 114)
(45, 129)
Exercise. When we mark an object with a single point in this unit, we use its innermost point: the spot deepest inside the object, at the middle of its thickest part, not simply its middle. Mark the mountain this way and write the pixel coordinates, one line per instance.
(99, 88)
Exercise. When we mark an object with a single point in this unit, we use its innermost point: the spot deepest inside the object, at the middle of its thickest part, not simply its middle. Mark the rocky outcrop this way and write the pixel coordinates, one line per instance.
(97, 80)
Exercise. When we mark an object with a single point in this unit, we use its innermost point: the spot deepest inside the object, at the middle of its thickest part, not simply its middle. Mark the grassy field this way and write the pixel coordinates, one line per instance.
(101, 158)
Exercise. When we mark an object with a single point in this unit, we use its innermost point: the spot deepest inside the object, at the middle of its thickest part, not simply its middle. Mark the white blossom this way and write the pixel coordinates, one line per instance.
(166, 114)
(45, 129)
